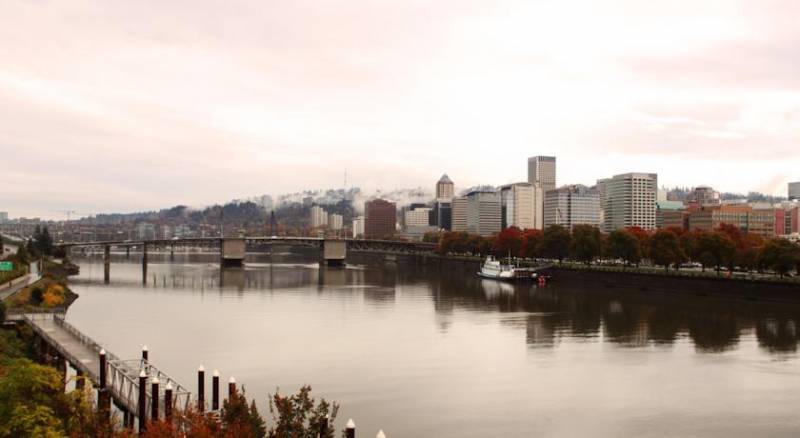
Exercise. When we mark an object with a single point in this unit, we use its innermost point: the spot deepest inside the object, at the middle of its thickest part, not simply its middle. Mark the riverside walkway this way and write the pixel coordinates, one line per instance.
(13, 286)
(121, 379)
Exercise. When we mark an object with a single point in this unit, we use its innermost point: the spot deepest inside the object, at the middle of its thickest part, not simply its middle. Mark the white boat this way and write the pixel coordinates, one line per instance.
(492, 268)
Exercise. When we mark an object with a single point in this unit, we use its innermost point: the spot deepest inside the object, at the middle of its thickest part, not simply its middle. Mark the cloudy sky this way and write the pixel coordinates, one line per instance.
(131, 105)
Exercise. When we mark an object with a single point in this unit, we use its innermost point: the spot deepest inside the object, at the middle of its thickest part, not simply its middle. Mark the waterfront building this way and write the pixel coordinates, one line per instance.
(459, 214)
(445, 188)
(319, 217)
(380, 219)
(335, 221)
(542, 171)
(629, 200)
(418, 217)
(572, 205)
(520, 206)
(794, 191)
(443, 214)
(761, 221)
(483, 213)
(358, 227)
(671, 214)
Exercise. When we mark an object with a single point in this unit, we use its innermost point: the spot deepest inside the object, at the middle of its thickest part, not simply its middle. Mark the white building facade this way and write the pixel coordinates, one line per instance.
(629, 200)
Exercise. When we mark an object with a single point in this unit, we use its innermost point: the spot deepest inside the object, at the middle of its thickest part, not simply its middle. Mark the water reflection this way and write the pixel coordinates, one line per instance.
(586, 312)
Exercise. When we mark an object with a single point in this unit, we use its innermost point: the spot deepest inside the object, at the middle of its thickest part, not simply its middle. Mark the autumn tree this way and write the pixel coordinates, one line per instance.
(586, 243)
(643, 236)
(530, 243)
(555, 242)
(780, 255)
(508, 241)
(622, 244)
(300, 416)
(665, 249)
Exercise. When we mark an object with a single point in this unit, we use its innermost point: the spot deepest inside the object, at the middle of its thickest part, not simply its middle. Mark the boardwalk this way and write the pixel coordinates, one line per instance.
(83, 354)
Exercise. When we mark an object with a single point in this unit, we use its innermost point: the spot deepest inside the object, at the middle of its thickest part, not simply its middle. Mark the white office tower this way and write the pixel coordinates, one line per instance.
(459, 214)
(629, 200)
(521, 206)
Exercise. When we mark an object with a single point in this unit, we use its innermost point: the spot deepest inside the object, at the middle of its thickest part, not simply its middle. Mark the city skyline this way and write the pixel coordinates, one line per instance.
(120, 110)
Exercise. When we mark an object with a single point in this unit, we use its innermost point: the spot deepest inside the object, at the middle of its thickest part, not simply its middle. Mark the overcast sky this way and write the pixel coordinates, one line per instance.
(130, 105)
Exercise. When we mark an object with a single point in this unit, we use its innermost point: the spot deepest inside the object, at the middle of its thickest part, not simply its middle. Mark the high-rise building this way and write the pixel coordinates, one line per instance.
(459, 214)
(520, 206)
(380, 218)
(319, 217)
(794, 191)
(3, 217)
(358, 227)
(443, 214)
(629, 200)
(572, 205)
(445, 188)
(418, 217)
(542, 171)
(483, 213)
(335, 221)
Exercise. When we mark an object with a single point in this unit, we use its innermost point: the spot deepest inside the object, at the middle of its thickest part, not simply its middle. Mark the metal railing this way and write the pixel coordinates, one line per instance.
(123, 375)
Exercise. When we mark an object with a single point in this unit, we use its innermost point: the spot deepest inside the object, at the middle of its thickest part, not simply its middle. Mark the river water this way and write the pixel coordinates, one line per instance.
(436, 352)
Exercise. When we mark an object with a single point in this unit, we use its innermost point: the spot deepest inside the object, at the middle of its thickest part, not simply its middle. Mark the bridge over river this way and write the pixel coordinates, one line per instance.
(233, 249)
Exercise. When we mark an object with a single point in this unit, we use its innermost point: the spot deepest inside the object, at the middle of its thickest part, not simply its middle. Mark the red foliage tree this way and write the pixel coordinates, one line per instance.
(530, 241)
(508, 241)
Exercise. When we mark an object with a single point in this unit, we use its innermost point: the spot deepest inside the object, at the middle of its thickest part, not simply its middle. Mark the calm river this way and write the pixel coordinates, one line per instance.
(430, 352)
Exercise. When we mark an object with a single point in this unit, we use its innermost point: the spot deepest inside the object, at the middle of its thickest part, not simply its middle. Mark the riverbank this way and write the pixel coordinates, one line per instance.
(643, 279)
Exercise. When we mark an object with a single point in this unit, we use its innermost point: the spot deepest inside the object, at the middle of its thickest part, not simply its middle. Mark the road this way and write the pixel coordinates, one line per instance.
(13, 286)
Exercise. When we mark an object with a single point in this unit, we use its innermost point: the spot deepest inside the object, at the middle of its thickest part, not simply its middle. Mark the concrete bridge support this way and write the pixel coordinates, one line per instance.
(232, 252)
(334, 252)
(144, 264)
(107, 263)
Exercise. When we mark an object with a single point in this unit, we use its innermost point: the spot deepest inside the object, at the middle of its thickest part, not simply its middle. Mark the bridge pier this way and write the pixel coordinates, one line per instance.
(128, 252)
(232, 252)
(333, 252)
(144, 264)
(107, 263)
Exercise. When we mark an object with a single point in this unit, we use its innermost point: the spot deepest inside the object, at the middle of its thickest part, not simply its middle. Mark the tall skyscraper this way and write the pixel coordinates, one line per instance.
(572, 205)
(483, 213)
(629, 200)
(542, 171)
(794, 191)
(520, 206)
(380, 219)
(459, 214)
(444, 188)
